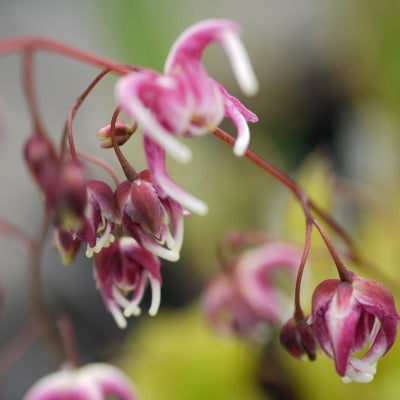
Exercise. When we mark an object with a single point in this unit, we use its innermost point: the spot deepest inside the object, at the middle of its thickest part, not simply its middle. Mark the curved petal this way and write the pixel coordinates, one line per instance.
(189, 46)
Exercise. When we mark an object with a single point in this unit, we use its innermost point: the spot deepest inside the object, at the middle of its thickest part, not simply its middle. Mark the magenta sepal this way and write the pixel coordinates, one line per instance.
(350, 317)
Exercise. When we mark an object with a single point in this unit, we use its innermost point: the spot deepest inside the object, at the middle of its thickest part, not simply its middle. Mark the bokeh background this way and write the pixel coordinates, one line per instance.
(328, 106)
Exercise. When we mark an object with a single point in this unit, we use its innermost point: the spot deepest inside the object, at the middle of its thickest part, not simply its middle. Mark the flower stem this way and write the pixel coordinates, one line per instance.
(18, 345)
(305, 202)
(12, 231)
(69, 340)
(129, 171)
(101, 163)
(298, 312)
(30, 92)
(23, 43)
(38, 304)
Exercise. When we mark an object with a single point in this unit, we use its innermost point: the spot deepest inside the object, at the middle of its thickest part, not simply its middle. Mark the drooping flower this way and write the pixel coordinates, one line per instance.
(122, 272)
(156, 223)
(349, 318)
(91, 382)
(248, 298)
(186, 101)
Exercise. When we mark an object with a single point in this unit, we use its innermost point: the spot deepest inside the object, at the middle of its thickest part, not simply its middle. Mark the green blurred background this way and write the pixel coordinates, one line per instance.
(328, 105)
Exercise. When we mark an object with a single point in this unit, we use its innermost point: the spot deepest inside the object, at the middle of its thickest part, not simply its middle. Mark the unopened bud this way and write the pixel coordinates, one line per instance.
(41, 159)
(122, 133)
(297, 337)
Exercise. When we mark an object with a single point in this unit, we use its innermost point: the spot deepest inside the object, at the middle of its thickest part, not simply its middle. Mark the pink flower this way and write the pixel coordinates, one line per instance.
(91, 382)
(348, 318)
(186, 101)
(123, 271)
(147, 217)
(248, 298)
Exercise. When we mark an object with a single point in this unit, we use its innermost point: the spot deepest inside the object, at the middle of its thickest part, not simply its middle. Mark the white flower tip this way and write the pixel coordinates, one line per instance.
(240, 148)
(240, 63)
(89, 252)
(183, 154)
(132, 310)
(119, 319)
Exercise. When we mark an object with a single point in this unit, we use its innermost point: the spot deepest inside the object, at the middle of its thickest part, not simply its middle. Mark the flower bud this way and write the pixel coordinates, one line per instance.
(41, 158)
(122, 133)
(298, 338)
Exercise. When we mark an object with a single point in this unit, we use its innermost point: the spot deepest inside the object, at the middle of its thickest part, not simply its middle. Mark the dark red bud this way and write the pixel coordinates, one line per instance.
(41, 159)
(297, 337)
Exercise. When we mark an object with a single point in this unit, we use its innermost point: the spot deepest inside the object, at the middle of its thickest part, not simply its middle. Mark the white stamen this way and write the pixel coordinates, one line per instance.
(240, 63)
(185, 199)
(118, 317)
(155, 295)
(133, 306)
(119, 298)
(178, 235)
(160, 251)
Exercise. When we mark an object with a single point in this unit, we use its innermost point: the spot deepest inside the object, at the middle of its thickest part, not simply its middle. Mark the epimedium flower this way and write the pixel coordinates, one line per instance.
(247, 298)
(185, 100)
(95, 381)
(122, 272)
(155, 222)
(348, 318)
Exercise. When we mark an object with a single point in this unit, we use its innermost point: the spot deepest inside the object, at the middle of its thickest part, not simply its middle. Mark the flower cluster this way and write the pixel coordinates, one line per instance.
(129, 228)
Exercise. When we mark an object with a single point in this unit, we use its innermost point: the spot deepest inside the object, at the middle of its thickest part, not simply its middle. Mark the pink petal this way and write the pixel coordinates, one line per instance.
(342, 317)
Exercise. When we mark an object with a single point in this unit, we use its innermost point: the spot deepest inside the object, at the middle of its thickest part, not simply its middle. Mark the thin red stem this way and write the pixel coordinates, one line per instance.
(301, 196)
(12, 231)
(16, 44)
(298, 312)
(69, 340)
(129, 171)
(101, 163)
(18, 345)
(38, 303)
(30, 92)
(344, 273)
